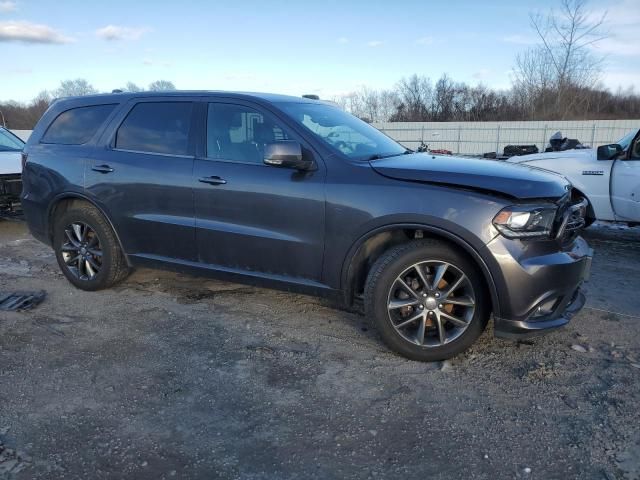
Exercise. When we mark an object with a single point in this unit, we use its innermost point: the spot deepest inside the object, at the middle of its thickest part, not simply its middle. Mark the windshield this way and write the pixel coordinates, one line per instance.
(343, 132)
(9, 142)
(625, 141)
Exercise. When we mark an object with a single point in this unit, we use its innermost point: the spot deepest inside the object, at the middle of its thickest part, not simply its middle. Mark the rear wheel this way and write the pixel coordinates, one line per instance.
(427, 300)
(87, 250)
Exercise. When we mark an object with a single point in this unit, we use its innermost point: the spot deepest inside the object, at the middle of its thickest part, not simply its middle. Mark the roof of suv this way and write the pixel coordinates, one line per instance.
(268, 97)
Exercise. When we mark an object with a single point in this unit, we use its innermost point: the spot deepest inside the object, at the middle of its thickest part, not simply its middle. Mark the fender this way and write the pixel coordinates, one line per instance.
(80, 196)
(347, 271)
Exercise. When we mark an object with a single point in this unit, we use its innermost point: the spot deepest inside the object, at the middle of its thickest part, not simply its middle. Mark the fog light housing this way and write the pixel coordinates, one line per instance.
(545, 308)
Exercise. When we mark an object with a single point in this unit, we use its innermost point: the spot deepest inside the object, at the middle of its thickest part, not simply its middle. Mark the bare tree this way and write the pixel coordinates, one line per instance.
(44, 97)
(74, 88)
(132, 87)
(554, 74)
(416, 94)
(370, 104)
(444, 98)
(388, 105)
(161, 85)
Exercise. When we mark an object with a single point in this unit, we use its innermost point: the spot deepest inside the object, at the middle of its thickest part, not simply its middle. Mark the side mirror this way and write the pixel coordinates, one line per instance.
(609, 152)
(287, 154)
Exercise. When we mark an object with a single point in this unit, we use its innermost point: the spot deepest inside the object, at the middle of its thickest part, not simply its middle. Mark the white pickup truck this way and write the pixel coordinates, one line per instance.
(10, 172)
(608, 177)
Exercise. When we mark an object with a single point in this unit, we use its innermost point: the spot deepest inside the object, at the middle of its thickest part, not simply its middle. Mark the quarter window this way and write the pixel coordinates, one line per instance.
(156, 127)
(78, 125)
(238, 133)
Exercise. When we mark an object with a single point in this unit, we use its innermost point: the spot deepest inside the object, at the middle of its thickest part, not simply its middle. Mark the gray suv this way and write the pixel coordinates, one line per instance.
(294, 193)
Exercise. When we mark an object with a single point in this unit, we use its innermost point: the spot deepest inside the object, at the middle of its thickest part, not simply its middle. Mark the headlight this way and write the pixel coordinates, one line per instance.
(526, 221)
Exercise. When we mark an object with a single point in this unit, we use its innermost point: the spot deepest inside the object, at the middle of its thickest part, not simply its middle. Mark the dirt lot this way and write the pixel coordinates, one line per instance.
(170, 376)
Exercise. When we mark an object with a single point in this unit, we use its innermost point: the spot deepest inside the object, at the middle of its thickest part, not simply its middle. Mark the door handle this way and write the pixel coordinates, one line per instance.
(102, 169)
(213, 180)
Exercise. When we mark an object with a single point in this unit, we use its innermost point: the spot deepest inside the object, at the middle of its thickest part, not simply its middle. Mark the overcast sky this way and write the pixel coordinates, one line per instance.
(326, 47)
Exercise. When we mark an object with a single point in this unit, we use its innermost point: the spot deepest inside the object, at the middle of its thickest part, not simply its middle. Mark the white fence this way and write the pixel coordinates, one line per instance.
(474, 138)
(479, 137)
(23, 134)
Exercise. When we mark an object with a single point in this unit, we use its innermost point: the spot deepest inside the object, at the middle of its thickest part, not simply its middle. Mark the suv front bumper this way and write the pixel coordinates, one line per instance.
(504, 328)
(543, 285)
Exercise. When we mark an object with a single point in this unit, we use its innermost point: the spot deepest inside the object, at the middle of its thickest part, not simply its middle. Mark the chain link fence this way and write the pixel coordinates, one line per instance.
(474, 138)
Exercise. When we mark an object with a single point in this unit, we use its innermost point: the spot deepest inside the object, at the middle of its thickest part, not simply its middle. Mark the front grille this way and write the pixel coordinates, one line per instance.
(10, 185)
(571, 218)
(10, 189)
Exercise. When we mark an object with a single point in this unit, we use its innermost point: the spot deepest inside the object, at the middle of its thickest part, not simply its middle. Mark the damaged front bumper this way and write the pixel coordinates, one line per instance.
(515, 329)
(10, 189)
(544, 285)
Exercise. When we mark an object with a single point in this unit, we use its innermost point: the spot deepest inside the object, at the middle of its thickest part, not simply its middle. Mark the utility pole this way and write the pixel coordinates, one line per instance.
(4, 124)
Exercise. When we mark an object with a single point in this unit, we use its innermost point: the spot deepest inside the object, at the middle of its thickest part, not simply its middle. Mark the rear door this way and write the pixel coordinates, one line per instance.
(251, 217)
(143, 176)
(625, 184)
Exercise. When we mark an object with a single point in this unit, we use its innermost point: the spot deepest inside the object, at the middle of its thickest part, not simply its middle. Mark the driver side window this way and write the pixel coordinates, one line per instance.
(238, 133)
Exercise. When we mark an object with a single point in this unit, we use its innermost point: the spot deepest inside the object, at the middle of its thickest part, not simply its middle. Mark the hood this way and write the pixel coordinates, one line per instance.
(10, 163)
(586, 153)
(518, 181)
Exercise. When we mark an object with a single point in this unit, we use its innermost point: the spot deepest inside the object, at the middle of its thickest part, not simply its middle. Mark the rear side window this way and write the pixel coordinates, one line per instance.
(78, 125)
(156, 127)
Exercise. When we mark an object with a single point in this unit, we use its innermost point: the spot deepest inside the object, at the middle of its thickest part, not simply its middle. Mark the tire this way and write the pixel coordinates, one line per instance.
(439, 263)
(107, 264)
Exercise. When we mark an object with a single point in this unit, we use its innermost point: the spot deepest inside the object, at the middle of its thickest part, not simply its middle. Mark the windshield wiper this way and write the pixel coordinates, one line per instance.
(378, 156)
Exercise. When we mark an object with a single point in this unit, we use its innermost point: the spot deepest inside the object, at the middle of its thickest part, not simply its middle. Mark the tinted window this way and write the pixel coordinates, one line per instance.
(156, 127)
(78, 125)
(239, 133)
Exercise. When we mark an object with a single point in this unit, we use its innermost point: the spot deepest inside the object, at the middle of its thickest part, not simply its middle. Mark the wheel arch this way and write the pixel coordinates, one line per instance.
(374, 243)
(61, 204)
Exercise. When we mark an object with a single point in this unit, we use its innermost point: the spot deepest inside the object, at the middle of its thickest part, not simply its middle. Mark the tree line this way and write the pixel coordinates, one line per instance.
(21, 116)
(418, 99)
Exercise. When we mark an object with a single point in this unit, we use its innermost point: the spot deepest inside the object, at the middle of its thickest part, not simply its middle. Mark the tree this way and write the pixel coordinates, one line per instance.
(388, 105)
(415, 99)
(444, 98)
(161, 85)
(132, 87)
(554, 75)
(74, 88)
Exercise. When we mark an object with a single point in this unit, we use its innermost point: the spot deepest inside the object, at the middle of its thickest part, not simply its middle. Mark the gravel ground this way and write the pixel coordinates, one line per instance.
(171, 376)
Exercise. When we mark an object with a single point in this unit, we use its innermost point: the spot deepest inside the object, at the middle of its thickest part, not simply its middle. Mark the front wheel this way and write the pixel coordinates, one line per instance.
(427, 300)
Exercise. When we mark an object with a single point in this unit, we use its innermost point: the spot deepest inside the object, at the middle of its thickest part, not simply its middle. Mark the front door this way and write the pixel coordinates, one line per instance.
(143, 179)
(625, 185)
(251, 217)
